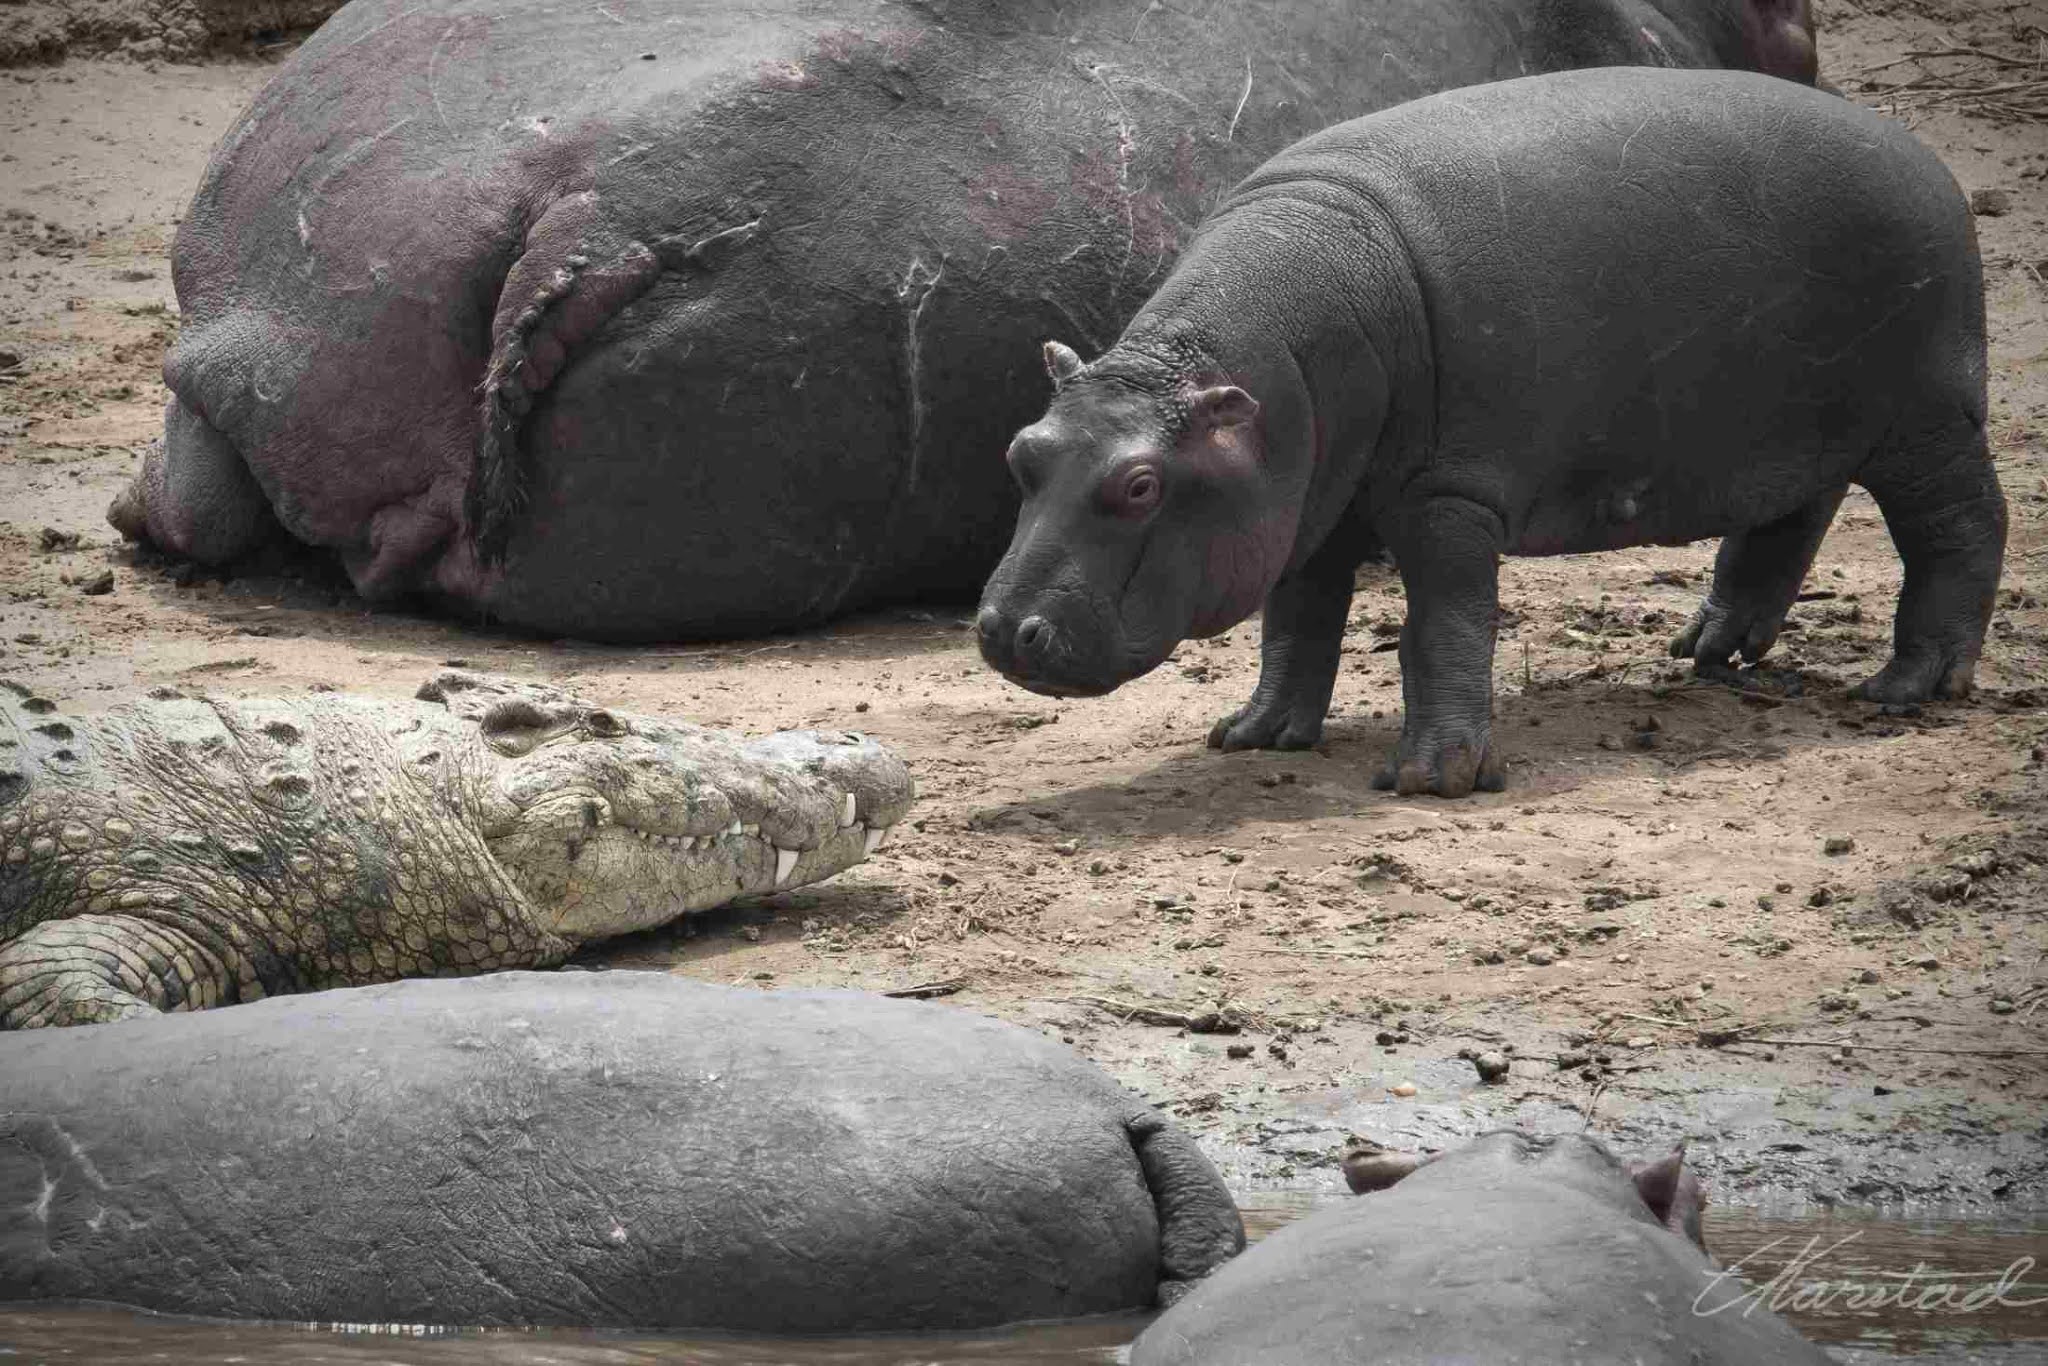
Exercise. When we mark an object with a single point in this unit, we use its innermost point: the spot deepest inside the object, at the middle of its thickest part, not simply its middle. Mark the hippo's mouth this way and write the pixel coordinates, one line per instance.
(1047, 688)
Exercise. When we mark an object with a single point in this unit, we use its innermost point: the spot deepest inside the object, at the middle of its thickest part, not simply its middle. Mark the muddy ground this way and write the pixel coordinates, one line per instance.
(1804, 935)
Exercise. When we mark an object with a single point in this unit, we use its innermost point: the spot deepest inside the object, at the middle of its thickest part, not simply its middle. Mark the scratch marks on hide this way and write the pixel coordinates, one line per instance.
(1230, 133)
(433, 61)
(920, 282)
(349, 158)
(1125, 145)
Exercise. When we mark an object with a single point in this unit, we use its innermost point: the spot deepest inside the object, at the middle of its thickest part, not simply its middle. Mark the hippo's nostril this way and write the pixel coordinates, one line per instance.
(1033, 635)
(989, 623)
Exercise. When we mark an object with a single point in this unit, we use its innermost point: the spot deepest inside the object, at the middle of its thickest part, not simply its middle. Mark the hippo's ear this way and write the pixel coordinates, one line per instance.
(1223, 407)
(1673, 1194)
(1061, 363)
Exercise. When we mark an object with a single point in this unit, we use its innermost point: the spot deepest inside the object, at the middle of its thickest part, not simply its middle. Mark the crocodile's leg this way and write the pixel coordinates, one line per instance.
(90, 969)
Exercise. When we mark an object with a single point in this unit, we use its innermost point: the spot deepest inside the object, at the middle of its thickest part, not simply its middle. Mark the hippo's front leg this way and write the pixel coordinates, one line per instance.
(1448, 551)
(1302, 637)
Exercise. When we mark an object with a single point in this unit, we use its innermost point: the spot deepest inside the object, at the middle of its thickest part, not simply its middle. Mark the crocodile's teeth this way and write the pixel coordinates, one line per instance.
(874, 840)
(734, 828)
(785, 864)
(846, 811)
(750, 828)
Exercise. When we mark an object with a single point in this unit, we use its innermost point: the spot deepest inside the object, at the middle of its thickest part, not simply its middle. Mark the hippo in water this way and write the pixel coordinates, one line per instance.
(1554, 315)
(626, 1149)
(657, 318)
(1511, 1249)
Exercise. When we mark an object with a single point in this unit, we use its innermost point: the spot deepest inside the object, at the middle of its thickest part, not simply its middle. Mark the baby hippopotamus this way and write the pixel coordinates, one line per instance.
(1511, 1249)
(1552, 315)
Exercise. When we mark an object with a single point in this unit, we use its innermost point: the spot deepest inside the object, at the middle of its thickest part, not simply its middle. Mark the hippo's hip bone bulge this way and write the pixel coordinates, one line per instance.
(1553, 315)
(183, 852)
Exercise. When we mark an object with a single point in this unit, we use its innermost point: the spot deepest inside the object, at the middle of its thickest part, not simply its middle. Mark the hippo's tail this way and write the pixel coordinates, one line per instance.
(555, 297)
(1199, 1226)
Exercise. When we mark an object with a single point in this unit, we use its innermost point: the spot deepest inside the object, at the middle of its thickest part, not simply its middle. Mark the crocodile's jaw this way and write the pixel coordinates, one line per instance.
(606, 835)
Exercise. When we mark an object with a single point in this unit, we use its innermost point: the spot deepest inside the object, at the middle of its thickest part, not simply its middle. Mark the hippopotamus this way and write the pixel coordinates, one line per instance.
(1554, 315)
(652, 319)
(623, 1149)
(1514, 1248)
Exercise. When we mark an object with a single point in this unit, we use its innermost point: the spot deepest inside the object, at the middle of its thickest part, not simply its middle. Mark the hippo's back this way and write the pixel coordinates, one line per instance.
(1452, 1272)
(622, 1149)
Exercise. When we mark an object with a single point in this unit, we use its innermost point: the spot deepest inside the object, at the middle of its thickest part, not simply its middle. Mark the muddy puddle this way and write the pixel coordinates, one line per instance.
(1940, 1292)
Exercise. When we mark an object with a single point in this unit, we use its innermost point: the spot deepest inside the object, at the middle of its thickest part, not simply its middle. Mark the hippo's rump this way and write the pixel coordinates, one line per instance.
(624, 1149)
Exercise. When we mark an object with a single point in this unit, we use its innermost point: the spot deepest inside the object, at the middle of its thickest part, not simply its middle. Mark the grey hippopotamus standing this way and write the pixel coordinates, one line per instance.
(1511, 1249)
(657, 318)
(183, 852)
(1553, 315)
(624, 1149)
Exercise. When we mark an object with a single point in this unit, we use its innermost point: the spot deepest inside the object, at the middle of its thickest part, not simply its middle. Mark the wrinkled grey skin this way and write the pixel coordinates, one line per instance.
(1555, 315)
(1512, 1249)
(181, 852)
(663, 318)
(625, 1150)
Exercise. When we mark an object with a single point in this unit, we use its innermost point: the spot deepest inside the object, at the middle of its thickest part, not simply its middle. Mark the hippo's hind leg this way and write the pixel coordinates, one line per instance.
(91, 969)
(1939, 494)
(1756, 577)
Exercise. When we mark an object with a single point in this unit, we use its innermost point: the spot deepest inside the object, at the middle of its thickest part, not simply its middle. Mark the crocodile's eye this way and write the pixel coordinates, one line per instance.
(603, 724)
(515, 725)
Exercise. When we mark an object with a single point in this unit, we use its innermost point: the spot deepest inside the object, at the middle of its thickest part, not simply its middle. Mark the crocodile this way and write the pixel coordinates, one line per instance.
(180, 852)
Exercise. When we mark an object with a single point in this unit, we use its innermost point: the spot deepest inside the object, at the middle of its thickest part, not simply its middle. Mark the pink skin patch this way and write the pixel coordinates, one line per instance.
(1005, 205)
(785, 76)
(1185, 178)
(838, 45)
(1099, 181)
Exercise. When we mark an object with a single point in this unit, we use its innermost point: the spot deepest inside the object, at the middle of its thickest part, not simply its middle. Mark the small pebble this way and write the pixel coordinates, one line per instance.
(1541, 958)
(1837, 844)
(1492, 1068)
(1066, 847)
(1238, 1050)
(1869, 977)
(2001, 1006)
(1404, 1089)
(1991, 203)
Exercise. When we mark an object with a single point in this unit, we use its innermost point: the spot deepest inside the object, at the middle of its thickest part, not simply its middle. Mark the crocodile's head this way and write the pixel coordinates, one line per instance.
(611, 822)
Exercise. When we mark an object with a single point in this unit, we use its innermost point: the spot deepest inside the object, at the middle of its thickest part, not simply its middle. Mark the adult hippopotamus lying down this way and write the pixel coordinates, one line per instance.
(1511, 1249)
(630, 1149)
(1562, 314)
(656, 318)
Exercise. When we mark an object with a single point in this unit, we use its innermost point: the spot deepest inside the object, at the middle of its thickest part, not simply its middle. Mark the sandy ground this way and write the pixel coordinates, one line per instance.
(1656, 880)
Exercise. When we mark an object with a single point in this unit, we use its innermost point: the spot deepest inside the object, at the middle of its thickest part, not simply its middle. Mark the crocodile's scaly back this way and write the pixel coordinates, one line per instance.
(179, 853)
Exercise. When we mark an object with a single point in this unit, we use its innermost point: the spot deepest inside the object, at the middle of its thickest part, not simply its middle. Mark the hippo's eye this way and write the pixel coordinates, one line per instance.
(1133, 491)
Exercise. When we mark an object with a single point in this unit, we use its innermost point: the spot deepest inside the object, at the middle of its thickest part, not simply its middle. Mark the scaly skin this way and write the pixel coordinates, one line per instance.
(181, 853)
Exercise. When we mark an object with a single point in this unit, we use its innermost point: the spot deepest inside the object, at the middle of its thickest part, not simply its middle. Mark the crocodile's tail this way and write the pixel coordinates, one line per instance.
(1199, 1226)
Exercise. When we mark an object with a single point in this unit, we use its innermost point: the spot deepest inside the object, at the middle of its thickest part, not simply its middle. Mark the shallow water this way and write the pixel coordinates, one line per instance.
(1822, 1271)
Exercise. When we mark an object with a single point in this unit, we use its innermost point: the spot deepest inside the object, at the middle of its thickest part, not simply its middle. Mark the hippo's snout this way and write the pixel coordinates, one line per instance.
(1032, 652)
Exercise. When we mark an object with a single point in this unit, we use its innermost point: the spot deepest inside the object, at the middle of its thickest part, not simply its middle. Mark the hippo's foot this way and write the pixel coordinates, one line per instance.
(1719, 632)
(1269, 723)
(1756, 578)
(1451, 767)
(1919, 678)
